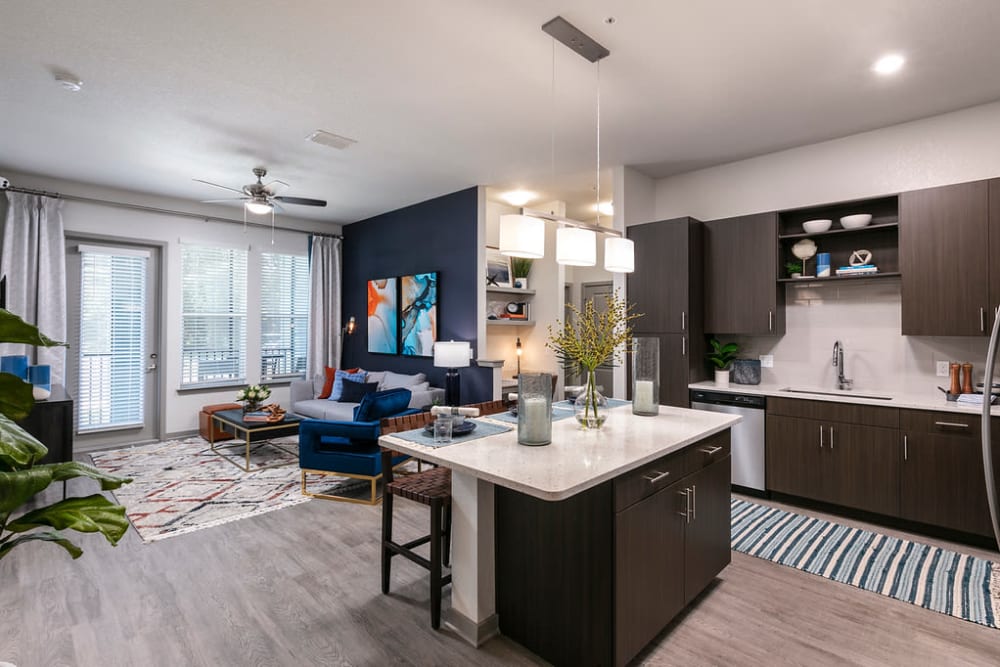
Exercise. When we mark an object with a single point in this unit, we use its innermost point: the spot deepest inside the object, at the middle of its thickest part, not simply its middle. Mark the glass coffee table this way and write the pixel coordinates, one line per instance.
(255, 434)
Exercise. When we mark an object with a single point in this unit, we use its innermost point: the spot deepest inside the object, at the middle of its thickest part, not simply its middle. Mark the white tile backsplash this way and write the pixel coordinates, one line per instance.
(865, 317)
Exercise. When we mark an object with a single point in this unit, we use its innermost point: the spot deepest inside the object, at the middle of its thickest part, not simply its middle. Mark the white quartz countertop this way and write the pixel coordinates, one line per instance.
(930, 399)
(576, 460)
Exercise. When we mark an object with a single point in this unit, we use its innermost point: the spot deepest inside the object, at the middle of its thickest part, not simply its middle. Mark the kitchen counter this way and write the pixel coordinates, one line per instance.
(931, 399)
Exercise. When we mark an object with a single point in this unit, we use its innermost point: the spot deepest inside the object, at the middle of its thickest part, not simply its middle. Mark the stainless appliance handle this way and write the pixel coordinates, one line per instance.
(991, 486)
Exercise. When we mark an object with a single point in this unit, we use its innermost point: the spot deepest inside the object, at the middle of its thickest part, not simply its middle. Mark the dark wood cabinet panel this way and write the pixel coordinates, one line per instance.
(829, 411)
(707, 535)
(796, 459)
(649, 591)
(51, 422)
(944, 259)
(865, 467)
(994, 197)
(667, 255)
(741, 292)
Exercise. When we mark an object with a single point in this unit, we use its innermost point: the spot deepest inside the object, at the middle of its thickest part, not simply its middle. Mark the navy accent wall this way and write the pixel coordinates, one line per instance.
(435, 235)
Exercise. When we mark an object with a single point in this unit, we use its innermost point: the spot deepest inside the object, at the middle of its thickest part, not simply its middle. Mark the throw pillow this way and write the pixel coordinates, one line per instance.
(339, 377)
(355, 391)
(396, 380)
(328, 377)
(381, 404)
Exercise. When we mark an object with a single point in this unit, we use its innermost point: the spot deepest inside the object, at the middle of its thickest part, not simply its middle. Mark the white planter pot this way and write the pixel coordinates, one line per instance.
(721, 378)
(521, 283)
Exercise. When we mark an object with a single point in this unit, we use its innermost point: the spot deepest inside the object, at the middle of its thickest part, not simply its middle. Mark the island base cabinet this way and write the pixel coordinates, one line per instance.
(592, 579)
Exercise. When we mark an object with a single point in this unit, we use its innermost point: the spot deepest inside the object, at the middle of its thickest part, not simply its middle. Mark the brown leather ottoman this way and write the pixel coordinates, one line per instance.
(206, 423)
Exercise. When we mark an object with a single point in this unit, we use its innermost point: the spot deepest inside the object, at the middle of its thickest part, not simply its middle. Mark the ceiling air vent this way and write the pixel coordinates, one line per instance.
(330, 139)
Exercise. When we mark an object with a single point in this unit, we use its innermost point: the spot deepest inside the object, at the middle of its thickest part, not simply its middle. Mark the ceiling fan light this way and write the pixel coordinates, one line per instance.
(522, 236)
(258, 207)
(576, 247)
(619, 255)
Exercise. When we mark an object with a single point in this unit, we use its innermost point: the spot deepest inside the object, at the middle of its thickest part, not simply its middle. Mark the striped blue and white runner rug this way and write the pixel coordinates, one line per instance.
(933, 578)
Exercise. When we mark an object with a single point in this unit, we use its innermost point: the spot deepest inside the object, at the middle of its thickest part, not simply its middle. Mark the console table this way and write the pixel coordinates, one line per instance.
(51, 422)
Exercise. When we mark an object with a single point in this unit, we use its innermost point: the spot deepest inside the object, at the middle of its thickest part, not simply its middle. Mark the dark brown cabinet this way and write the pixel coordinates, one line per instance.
(666, 288)
(842, 454)
(944, 259)
(593, 578)
(994, 197)
(51, 422)
(942, 481)
(742, 295)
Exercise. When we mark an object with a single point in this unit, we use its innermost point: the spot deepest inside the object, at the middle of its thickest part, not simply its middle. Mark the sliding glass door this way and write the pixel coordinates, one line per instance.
(113, 364)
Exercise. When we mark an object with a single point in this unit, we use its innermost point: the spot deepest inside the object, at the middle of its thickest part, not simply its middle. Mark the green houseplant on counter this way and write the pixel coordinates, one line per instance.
(22, 477)
(588, 340)
(722, 357)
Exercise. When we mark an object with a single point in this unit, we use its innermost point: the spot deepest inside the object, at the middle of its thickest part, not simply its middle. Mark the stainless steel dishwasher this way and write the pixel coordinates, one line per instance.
(747, 436)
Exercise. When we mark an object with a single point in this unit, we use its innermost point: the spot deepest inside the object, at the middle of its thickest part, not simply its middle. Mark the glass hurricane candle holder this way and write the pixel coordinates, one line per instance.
(645, 376)
(534, 408)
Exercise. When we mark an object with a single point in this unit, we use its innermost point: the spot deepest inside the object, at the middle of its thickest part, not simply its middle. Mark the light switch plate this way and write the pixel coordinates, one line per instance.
(767, 361)
(942, 369)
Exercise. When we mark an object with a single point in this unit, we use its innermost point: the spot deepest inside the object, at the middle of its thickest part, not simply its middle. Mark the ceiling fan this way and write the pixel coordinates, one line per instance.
(262, 198)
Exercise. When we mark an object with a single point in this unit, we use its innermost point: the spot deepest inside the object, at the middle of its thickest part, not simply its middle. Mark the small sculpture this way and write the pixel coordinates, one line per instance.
(861, 257)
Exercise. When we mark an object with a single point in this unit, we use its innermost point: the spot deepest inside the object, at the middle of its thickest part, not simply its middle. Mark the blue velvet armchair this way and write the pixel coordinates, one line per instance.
(350, 449)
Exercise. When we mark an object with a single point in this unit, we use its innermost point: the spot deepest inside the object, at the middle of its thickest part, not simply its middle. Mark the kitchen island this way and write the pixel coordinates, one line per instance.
(586, 547)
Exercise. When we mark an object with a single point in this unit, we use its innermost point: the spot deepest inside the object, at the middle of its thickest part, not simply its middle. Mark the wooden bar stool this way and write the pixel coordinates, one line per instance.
(430, 487)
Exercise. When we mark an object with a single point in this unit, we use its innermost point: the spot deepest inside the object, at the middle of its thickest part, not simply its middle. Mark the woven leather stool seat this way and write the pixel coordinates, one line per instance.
(433, 484)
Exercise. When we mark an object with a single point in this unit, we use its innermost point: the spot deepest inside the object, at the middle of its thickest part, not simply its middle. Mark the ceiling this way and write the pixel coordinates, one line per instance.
(445, 94)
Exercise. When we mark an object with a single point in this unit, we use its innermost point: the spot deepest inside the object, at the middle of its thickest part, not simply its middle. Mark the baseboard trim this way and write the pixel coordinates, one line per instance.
(474, 633)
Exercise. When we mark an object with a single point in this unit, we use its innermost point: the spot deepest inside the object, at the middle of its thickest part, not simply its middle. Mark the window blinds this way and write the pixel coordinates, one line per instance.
(284, 315)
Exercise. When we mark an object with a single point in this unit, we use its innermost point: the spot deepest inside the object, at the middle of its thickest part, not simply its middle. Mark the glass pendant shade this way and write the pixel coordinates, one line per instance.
(522, 236)
(576, 247)
(619, 255)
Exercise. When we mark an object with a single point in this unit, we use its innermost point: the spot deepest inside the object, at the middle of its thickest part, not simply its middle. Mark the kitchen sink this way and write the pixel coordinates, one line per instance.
(844, 394)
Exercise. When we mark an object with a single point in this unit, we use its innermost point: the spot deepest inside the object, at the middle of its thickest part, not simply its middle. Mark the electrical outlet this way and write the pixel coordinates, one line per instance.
(767, 361)
(942, 369)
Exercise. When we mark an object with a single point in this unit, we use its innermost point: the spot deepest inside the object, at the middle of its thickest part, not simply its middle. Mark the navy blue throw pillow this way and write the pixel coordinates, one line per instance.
(379, 404)
(353, 392)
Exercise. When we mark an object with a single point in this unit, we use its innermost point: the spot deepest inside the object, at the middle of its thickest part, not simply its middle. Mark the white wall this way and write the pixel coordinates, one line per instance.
(950, 148)
(180, 409)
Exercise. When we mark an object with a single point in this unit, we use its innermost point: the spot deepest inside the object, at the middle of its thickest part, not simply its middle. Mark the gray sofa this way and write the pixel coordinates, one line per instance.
(305, 403)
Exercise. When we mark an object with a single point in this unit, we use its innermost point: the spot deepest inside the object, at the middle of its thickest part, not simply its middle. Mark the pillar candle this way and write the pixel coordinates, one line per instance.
(642, 397)
(537, 421)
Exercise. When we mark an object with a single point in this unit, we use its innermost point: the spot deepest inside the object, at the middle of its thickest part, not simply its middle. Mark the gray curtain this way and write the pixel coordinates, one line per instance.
(324, 305)
(33, 258)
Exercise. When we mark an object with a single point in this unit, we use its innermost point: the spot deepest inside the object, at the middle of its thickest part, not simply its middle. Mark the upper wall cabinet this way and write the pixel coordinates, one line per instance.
(666, 284)
(944, 258)
(742, 295)
(994, 197)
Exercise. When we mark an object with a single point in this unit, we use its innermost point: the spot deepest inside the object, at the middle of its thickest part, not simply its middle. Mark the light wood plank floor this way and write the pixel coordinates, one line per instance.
(300, 586)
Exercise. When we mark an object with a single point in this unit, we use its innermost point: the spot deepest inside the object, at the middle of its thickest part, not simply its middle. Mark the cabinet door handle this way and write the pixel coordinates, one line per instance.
(694, 502)
(951, 424)
(711, 451)
(906, 449)
(982, 319)
(684, 347)
(687, 505)
(821, 436)
(656, 476)
(770, 321)
(831, 437)
(683, 321)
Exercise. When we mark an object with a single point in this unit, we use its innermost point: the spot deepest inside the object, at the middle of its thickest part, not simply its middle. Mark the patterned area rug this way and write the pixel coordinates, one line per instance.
(181, 485)
(930, 577)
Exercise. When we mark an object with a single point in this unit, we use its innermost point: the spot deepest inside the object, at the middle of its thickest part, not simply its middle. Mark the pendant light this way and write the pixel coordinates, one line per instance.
(522, 236)
(576, 247)
(619, 255)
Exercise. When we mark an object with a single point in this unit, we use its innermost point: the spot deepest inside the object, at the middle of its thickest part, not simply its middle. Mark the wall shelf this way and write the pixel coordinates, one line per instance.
(510, 290)
(813, 279)
(839, 230)
(510, 323)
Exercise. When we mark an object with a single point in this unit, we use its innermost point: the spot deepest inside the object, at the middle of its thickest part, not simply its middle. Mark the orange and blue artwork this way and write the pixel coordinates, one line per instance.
(418, 314)
(382, 316)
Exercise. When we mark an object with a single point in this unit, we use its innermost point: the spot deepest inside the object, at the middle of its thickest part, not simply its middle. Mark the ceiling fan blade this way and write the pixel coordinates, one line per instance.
(216, 185)
(222, 201)
(301, 201)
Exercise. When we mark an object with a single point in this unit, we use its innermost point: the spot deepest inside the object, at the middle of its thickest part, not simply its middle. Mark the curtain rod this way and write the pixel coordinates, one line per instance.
(164, 211)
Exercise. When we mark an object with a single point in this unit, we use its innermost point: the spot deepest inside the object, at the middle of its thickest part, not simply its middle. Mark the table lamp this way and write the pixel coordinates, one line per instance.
(452, 355)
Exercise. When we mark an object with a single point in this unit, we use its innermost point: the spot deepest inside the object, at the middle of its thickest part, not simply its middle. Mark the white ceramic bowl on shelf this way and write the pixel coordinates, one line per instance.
(856, 221)
(816, 226)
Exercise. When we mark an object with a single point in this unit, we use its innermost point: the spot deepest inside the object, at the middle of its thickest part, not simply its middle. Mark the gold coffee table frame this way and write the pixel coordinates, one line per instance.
(231, 420)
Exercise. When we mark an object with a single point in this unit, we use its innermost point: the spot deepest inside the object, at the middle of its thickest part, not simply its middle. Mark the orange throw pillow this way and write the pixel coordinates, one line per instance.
(328, 374)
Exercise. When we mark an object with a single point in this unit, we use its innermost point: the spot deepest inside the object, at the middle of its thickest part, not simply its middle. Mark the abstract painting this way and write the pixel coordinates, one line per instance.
(418, 314)
(382, 316)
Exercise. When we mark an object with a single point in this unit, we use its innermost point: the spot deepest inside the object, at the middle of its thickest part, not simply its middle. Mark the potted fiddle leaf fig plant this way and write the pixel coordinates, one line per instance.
(22, 476)
(722, 357)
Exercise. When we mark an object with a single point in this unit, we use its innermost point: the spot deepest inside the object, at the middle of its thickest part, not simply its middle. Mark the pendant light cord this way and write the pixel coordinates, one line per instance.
(598, 142)
(552, 112)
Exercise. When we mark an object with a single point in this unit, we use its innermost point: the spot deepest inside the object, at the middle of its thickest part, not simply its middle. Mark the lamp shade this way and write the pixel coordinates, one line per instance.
(258, 207)
(522, 236)
(452, 354)
(576, 247)
(619, 255)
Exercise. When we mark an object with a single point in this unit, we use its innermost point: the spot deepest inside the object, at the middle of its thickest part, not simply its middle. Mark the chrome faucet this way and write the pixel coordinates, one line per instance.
(838, 362)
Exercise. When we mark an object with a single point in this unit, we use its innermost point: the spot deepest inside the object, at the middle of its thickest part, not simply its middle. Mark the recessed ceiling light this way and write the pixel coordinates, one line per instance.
(331, 140)
(518, 197)
(889, 64)
(605, 208)
(69, 82)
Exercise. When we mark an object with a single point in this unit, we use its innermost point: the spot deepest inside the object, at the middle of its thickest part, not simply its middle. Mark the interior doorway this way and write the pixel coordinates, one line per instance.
(113, 363)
